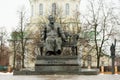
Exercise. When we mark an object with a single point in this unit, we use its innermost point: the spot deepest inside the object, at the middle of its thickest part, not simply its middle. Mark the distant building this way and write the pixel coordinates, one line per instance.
(4, 55)
(65, 11)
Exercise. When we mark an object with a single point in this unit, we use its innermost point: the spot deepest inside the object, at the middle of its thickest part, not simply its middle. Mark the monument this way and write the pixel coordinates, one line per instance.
(53, 37)
(53, 62)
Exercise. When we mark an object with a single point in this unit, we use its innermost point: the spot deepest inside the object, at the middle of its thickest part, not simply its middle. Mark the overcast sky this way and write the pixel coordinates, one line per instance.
(9, 16)
(9, 12)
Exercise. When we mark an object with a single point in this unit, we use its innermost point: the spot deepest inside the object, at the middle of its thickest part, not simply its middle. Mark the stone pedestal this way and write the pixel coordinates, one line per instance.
(57, 64)
(49, 65)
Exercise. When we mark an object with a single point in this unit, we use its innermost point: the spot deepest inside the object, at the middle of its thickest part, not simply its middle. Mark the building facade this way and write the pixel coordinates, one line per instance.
(66, 12)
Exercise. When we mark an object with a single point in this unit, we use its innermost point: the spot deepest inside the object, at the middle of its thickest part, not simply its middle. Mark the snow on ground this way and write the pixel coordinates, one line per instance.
(10, 76)
(7, 73)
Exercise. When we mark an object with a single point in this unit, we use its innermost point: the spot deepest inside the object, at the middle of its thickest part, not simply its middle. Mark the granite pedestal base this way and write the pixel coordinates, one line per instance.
(49, 65)
(57, 64)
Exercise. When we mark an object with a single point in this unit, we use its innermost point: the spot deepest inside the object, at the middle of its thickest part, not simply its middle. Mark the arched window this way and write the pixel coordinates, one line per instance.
(41, 9)
(32, 10)
(54, 8)
(76, 7)
(67, 9)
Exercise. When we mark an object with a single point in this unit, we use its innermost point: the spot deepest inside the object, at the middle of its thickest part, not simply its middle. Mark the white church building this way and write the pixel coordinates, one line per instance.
(65, 11)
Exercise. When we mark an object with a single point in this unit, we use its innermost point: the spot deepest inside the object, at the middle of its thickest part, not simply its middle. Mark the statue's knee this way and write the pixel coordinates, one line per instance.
(49, 53)
(58, 52)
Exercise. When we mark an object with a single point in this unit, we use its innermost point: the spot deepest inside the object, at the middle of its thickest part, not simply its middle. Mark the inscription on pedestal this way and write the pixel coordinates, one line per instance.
(56, 62)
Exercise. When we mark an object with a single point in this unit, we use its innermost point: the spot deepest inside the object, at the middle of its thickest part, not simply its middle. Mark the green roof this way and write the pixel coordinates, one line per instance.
(17, 35)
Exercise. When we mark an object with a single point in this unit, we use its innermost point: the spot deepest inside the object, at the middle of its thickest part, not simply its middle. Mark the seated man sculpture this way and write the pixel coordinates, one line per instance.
(53, 37)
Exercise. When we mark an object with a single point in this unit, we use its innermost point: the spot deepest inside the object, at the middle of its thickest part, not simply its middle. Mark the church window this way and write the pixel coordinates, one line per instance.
(67, 8)
(41, 9)
(32, 10)
(54, 8)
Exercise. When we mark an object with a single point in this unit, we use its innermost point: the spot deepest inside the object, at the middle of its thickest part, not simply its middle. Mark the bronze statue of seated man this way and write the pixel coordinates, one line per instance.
(53, 37)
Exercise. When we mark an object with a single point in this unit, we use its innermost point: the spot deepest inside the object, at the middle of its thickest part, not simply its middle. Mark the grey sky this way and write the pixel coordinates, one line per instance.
(9, 14)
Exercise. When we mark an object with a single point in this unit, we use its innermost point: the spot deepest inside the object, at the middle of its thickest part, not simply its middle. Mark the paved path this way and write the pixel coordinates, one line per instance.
(9, 76)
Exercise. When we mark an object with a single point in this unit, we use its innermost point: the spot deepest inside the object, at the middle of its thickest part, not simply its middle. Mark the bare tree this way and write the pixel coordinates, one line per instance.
(3, 38)
(20, 37)
(100, 20)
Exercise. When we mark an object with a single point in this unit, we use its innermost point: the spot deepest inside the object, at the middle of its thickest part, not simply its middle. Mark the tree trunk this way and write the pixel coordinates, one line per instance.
(98, 61)
(14, 55)
(23, 57)
(22, 41)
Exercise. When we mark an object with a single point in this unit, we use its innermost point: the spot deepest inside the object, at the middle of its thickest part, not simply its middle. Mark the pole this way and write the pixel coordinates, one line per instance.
(22, 39)
(102, 69)
(113, 67)
(14, 55)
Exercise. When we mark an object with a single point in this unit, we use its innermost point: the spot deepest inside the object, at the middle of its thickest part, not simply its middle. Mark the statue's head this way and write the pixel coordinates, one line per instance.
(51, 19)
